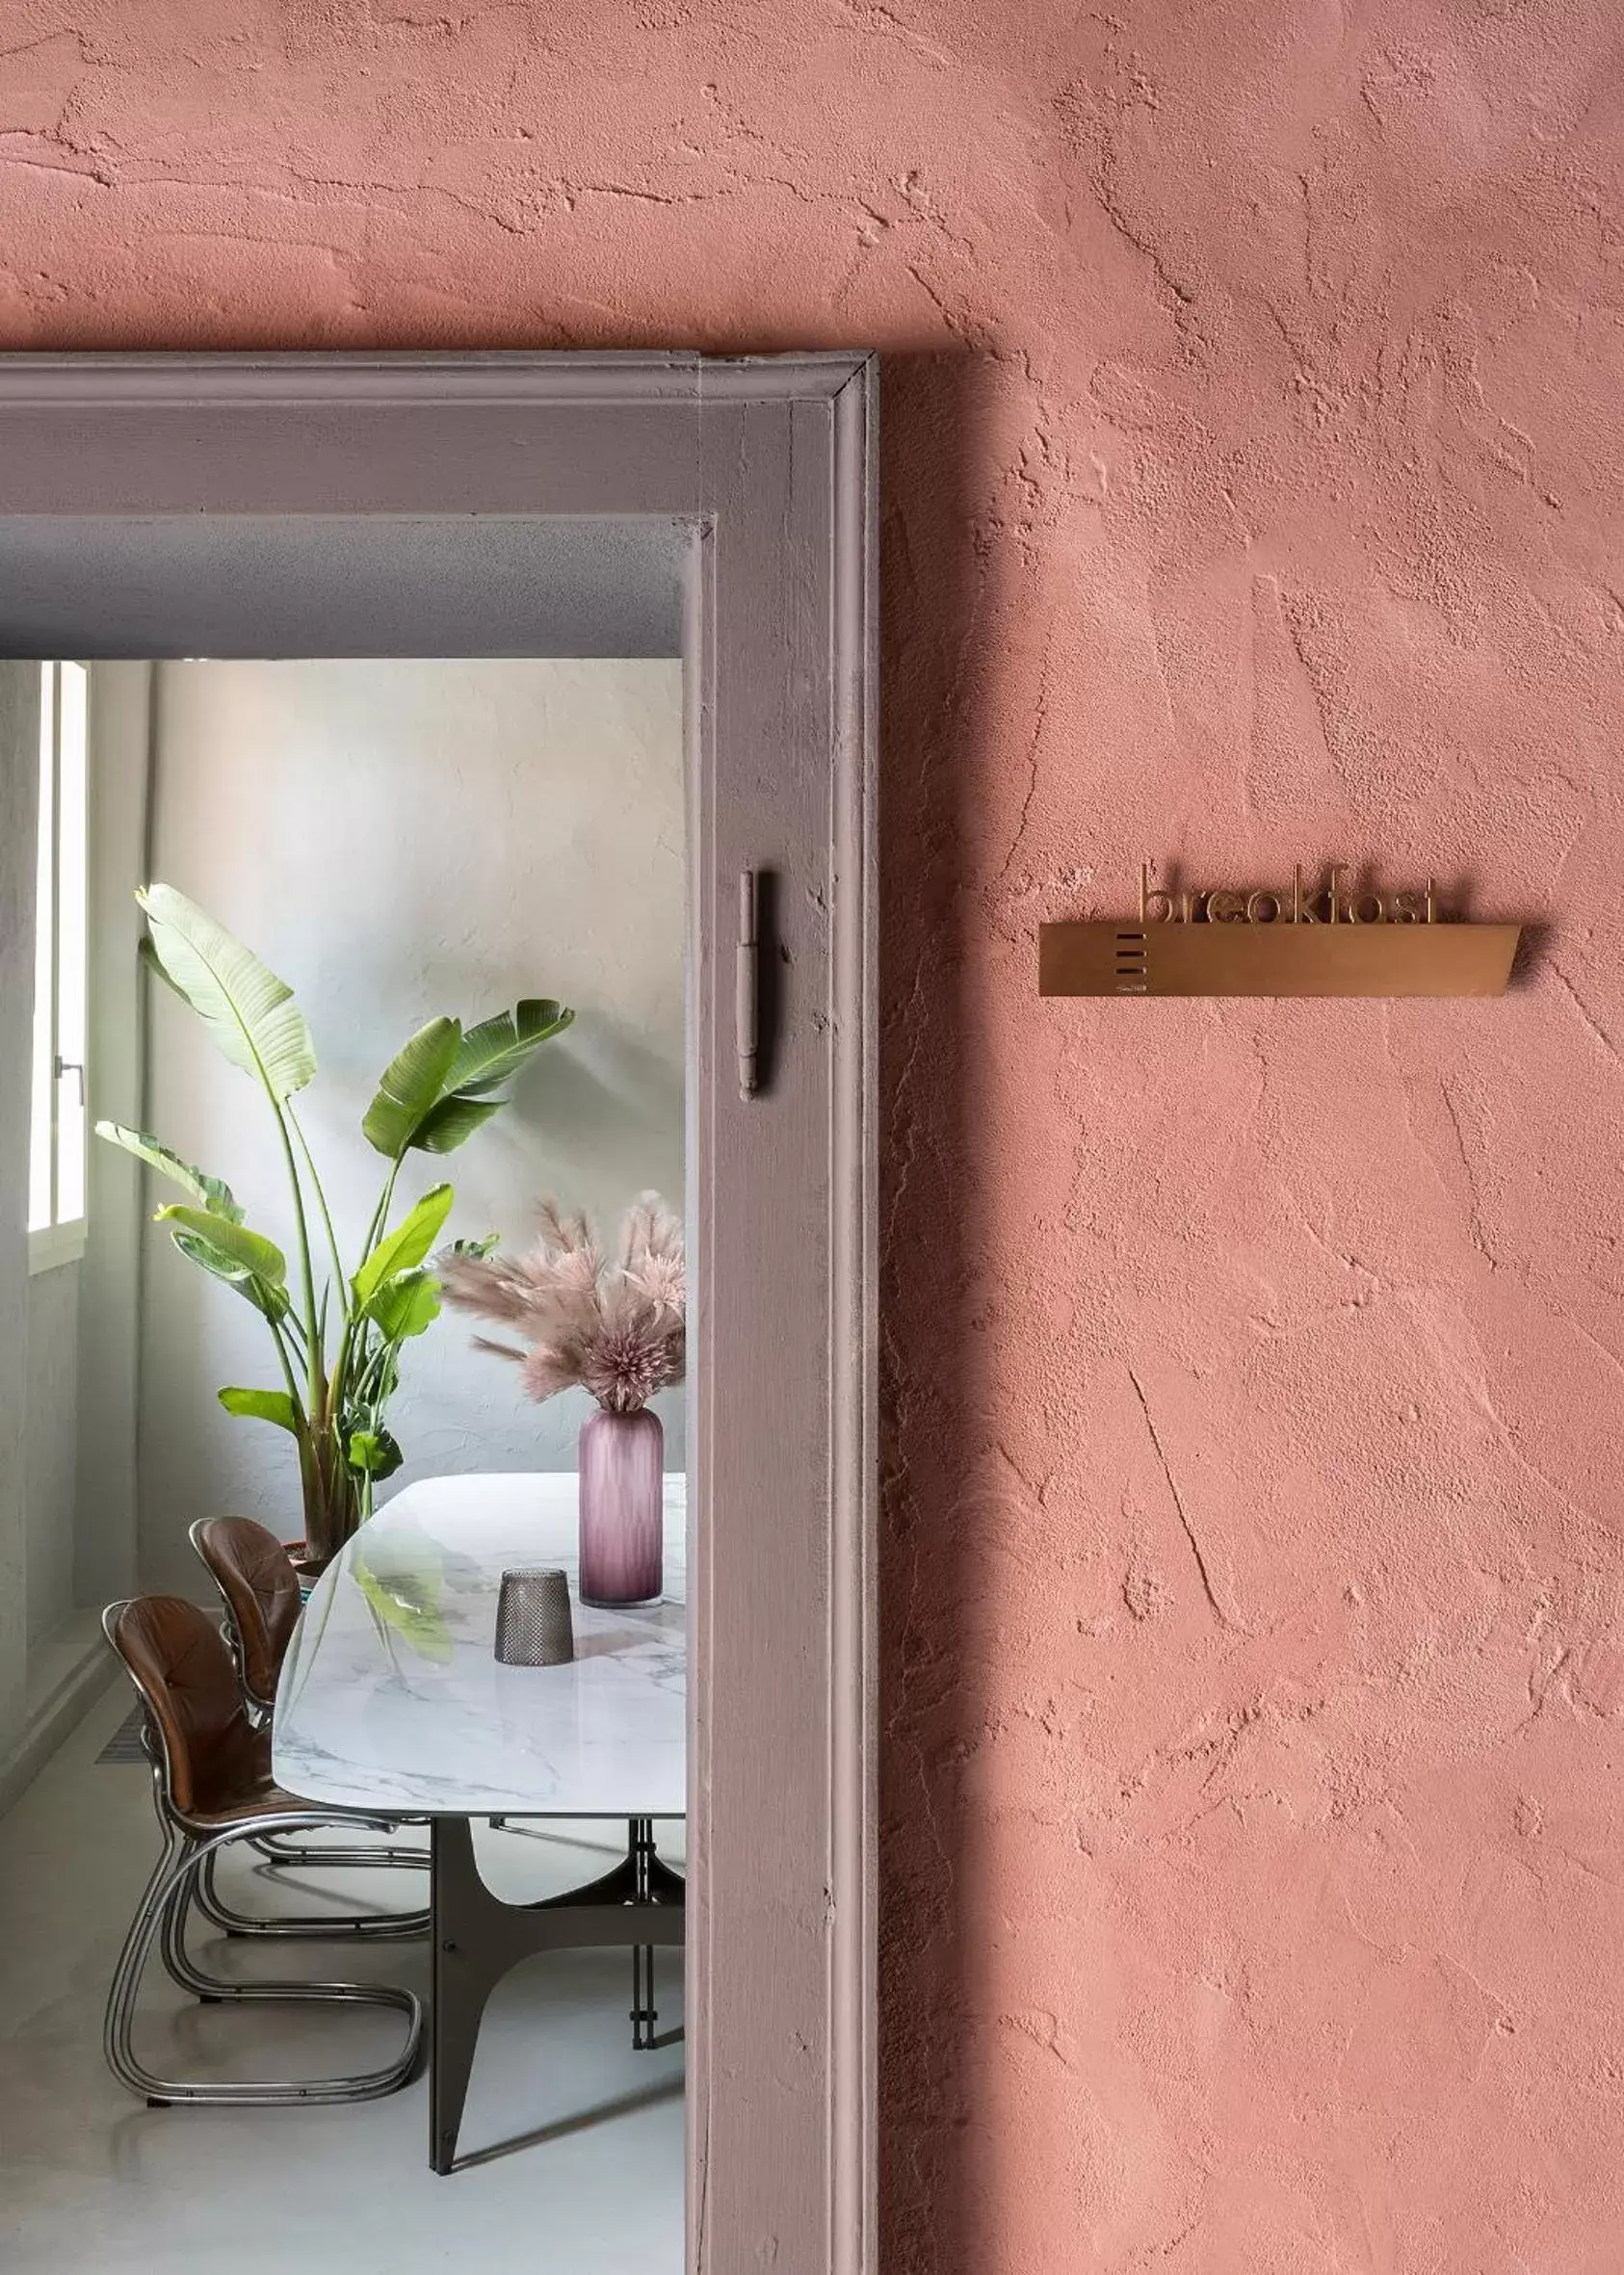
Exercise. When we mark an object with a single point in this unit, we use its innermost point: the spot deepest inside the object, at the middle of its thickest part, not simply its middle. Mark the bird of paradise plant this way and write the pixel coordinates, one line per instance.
(337, 1333)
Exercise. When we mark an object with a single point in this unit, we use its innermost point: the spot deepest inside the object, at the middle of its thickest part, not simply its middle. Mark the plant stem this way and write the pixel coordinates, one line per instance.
(380, 1215)
(314, 1355)
(321, 1197)
(352, 1323)
(288, 1374)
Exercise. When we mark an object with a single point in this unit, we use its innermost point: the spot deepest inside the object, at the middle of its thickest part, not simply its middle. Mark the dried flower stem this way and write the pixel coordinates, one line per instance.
(616, 1328)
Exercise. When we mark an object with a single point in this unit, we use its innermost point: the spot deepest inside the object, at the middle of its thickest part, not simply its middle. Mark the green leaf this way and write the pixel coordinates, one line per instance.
(374, 1451)
(436, 1092)
(410, 1087)
(263, 1405)
(247, 1011)
(407, 1245)
(409, 1604)
(443, 1129)
(408, 1304)
(208, 1192)
(499, 1047)
(249, 1251)
(266, 1298)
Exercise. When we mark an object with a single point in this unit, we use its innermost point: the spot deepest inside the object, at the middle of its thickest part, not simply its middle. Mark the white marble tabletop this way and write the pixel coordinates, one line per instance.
(391, 1696)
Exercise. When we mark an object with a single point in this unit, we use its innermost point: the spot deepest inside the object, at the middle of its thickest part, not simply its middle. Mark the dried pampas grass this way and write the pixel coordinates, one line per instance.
(615, 1327)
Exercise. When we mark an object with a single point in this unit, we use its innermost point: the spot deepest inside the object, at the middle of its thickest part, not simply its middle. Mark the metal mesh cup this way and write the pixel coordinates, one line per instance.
(534, 1626)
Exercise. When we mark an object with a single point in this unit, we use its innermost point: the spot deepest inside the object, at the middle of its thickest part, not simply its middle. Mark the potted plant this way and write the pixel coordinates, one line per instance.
(611, 1325)
(337, 1331)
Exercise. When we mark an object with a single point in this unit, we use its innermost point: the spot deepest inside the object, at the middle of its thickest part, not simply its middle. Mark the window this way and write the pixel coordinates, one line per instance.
(55, 1161)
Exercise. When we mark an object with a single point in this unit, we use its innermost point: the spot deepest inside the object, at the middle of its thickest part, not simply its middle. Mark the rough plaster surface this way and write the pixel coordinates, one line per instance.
(1255, 1673)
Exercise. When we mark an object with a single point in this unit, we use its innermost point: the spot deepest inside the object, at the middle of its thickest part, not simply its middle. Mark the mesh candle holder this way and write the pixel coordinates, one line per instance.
(534, 1625)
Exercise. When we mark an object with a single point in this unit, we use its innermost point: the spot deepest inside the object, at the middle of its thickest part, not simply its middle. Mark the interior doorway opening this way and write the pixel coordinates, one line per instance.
(761, 475)
(396, 837)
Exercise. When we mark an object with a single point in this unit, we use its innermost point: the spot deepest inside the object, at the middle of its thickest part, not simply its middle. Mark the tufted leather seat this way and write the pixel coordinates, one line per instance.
(219, 1765)
(250, 1568)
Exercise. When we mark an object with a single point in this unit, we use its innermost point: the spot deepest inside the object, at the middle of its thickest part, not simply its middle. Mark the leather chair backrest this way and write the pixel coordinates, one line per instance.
(250, 1568)
(178, 1661)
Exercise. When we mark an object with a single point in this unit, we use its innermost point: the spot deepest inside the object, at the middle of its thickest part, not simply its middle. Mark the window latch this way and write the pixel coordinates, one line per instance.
(68, 1067)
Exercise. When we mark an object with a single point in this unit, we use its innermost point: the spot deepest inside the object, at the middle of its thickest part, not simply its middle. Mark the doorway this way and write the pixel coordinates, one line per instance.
(745, 493)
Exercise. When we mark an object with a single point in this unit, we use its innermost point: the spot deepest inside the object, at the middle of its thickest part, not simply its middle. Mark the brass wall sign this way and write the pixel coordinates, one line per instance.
(1317, 940)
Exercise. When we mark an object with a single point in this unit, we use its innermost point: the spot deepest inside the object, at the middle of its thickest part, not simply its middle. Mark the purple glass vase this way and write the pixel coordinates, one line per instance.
(623, 1507)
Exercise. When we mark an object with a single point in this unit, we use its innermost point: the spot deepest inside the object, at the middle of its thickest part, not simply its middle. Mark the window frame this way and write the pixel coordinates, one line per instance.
(61, 1240)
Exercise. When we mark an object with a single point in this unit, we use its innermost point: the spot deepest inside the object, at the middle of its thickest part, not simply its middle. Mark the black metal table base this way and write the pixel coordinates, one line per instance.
(477, 1939)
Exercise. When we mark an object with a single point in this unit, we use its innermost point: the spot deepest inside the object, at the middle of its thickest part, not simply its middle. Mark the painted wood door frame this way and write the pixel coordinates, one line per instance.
(771, 462)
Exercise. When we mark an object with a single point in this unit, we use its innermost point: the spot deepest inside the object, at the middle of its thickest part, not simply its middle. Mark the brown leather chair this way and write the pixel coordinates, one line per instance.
(211, 1785)
(259, 1589)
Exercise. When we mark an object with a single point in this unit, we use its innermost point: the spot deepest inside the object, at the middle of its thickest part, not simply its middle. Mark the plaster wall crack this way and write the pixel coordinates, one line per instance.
(1034, 744)
(1475, 1214)
(1578, 1002)
(1105, 194)
(1222, 1617)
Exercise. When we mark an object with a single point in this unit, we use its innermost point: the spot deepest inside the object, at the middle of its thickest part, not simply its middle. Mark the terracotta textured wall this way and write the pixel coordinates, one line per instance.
(1256, 1833)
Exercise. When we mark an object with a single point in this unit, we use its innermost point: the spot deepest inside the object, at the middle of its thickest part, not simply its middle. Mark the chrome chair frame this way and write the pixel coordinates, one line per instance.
(381, 1925)
(308, 1926)
(189, 1851)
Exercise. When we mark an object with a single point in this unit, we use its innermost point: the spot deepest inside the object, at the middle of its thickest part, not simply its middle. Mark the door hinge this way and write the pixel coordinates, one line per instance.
(747, 995)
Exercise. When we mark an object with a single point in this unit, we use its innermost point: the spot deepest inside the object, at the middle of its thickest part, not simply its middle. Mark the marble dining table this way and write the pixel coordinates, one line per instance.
(391, 1699)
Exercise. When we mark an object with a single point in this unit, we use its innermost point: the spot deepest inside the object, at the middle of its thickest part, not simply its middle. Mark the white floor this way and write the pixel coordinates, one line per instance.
(574, 2142)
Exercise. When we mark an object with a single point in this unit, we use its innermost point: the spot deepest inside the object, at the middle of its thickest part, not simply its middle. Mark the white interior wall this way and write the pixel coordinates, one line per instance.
(397, 839)
(67, 1336)
(104, 1530)
(19, 727)
(51, 1437)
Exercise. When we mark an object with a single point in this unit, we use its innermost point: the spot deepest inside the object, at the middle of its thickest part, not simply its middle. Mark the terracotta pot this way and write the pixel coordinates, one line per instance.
(308, 1567)
(623, 1508)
